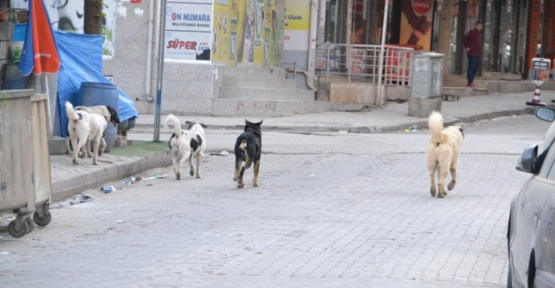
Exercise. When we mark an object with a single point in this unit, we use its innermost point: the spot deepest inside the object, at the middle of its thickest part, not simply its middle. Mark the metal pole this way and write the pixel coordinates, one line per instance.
(381, 97)
(161, 43)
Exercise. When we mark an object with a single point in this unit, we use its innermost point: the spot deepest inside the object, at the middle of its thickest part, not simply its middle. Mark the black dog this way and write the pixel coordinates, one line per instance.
(248, 149)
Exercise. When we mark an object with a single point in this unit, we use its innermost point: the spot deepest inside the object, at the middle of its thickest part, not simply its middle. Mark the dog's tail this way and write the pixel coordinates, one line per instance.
(176, 125)
(435, 123)
(243, 147)
(71, 115)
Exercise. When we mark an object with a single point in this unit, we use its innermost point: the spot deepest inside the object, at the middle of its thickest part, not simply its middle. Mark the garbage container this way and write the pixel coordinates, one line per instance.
(13, 79)
(18, 155)
(426, 84)
(41, 160)
(96, 93)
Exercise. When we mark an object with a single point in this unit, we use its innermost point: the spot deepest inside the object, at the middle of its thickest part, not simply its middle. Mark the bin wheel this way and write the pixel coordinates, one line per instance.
(30, 224)
(42, 221)
(17, 233)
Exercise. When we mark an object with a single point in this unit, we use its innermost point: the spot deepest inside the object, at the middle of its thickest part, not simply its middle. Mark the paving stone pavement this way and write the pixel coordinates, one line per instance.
(326, 220)
(351, 219)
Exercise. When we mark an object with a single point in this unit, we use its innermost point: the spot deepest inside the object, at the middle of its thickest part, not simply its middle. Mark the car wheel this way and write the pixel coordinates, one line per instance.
(532, 271)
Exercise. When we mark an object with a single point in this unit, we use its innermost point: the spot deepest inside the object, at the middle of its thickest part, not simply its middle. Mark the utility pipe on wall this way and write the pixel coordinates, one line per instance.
(381, 96)
(312, 41)
(160, 78)
(149, 48)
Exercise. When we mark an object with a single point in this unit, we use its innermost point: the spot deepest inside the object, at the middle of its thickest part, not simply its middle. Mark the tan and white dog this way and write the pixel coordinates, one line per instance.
(84, 126)
(443, 153)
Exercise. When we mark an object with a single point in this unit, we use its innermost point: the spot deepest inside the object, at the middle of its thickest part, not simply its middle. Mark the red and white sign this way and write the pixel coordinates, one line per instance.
(186, 45)
(422, 6)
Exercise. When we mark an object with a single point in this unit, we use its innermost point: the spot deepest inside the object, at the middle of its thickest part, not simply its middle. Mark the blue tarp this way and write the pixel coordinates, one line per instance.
(81, 57)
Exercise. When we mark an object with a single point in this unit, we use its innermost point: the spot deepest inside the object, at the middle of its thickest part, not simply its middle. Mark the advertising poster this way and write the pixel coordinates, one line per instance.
(539, 72)
(64, 15)
(220, 33)
(263, 33)
(109, 28)
(278, 26)
(188, 30)
(297, 24)
(228, 33)
(416, 24)
(237, 37)
(264, 26)
(248, 31)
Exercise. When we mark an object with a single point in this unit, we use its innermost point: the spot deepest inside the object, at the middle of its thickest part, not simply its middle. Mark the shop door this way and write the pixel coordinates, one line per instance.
(465, 14)
(503, 36)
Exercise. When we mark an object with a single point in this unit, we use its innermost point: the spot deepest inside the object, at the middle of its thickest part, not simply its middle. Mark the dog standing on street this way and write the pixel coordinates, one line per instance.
(443, 153)
(197, 144)
(111, 116)
(179, 145)
(84, 126)
(248, 149)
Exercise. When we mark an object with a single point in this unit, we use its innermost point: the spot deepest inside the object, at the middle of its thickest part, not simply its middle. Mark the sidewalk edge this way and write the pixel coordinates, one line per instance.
(68, 187)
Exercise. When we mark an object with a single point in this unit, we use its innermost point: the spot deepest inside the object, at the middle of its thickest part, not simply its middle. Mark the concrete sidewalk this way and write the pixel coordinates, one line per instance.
(388, 118)
(125, 162)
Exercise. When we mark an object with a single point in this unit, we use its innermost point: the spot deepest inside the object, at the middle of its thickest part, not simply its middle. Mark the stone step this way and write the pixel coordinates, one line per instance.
(493, 86)
(463, 91)
(258, 82)
(273, 108)
(252, 71)
(266, 94)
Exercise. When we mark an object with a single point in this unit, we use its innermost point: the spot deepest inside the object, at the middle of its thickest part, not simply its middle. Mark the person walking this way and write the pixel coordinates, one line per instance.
(473, 44)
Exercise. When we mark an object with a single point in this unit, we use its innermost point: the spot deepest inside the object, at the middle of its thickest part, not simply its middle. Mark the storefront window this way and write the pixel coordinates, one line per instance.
(455, 35)
(506, 43)
(489, 54)
(504, 34)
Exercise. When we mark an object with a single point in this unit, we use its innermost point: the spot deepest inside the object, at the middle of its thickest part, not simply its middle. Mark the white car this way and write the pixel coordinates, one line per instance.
(531, 230)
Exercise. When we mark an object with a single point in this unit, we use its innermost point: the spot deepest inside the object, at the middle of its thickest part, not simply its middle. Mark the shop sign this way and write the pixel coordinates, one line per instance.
(540, 70)
(422, 6)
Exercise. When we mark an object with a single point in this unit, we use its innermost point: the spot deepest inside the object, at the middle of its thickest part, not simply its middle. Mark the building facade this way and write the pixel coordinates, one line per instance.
(514, 30)
(276, 33)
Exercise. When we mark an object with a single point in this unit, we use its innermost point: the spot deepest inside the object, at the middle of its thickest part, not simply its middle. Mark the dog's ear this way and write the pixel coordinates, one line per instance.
(203, 125)
(189, 122)
(259, 123)
(247, 125)
(113, 115)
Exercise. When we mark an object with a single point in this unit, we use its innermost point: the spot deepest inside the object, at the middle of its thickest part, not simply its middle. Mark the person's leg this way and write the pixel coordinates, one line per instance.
(476, 68)
(472, 68)
(469, 70)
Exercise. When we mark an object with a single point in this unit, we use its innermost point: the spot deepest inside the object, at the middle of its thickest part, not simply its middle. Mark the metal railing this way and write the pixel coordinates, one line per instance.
(289, 70)
(360, 63)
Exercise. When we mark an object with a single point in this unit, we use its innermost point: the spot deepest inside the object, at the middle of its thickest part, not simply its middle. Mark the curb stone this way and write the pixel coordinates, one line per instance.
(423, 124)
(68, 187)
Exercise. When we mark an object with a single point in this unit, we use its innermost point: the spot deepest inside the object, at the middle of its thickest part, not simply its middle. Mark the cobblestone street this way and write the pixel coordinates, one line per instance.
(344, 218)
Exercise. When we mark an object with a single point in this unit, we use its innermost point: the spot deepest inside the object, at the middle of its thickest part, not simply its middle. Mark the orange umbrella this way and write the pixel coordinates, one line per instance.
(39, 52)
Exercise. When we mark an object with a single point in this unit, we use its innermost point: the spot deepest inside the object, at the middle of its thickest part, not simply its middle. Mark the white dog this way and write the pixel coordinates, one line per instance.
(111, 116)
(197, 144)
(180, 148)
(443, 153)
(84, 126)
